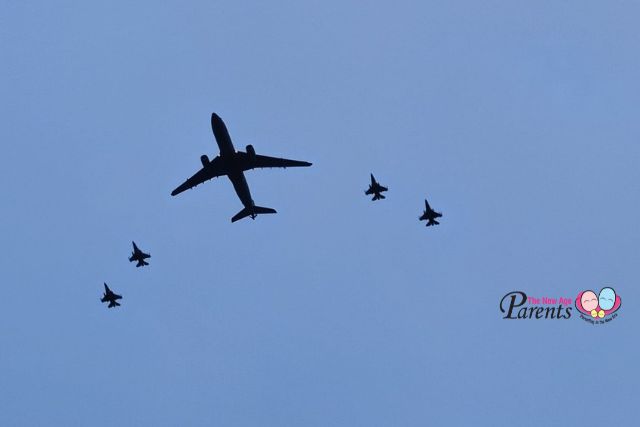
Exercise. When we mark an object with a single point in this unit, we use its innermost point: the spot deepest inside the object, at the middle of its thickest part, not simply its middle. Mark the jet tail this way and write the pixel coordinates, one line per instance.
(256, 210)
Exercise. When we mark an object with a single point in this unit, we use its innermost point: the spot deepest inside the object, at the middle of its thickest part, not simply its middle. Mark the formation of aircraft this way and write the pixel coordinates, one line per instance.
(233, 164)
(110, 297)
(376, 189)
(429, 215)
(138, 255)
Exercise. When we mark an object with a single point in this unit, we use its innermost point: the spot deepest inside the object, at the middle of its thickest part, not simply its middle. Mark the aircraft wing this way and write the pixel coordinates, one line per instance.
(260, 161)
(116, 296)
(213, 169)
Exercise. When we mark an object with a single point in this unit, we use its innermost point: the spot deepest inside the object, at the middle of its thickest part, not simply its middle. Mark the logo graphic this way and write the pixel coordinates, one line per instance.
(517, 305)
(599, 308)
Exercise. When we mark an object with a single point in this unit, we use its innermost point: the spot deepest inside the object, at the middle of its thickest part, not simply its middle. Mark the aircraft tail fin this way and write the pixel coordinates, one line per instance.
(252, 212)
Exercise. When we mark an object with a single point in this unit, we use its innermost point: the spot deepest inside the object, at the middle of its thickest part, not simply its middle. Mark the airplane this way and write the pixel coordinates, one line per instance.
(375, 189)
(430, 215)
(138, 255)
(111, 297)
(233, 163)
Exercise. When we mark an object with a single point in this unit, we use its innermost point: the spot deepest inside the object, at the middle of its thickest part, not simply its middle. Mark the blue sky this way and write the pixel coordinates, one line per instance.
(518, 120)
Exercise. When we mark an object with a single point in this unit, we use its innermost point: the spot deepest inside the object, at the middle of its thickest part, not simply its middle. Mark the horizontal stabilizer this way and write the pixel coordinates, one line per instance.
(256, 210)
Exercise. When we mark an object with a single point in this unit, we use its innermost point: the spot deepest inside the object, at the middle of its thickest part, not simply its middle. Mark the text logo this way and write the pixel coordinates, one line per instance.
(517, 305)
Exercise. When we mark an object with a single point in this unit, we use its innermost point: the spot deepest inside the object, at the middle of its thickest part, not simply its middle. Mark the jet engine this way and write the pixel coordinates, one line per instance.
(251, 152)
(205, 160)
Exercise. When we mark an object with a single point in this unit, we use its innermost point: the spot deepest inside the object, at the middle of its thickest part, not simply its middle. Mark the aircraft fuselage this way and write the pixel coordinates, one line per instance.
(228, 155)
(222, 137)
(242, 188)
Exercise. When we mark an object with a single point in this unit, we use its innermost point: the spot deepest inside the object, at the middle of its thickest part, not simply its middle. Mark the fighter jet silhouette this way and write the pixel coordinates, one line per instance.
(111, 297)
(375, 189)
(430, 215)
(233, 163)
(138, 255)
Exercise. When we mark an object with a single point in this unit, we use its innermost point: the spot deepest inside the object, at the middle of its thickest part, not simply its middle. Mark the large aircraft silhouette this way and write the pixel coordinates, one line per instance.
(233, 163)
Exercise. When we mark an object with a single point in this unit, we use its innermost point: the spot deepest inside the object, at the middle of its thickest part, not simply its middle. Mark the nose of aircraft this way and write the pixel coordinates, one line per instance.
(215, 117)
(215, 121)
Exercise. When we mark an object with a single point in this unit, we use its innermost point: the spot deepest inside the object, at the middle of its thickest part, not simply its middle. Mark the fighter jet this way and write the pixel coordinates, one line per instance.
(233, 163)
(376, 189)
(430, 215)
(111, 297)
(138, 255)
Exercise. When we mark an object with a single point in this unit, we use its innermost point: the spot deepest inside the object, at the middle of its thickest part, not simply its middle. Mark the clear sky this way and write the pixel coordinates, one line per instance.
(517, 119)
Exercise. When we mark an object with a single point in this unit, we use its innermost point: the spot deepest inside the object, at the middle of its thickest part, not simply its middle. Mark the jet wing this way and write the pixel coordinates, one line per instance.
(259, 161)
(213, 169)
